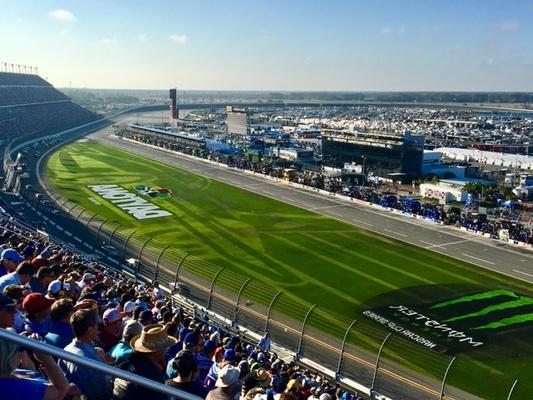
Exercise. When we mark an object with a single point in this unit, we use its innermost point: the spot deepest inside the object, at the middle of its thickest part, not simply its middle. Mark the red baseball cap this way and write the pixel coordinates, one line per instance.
(36, 302)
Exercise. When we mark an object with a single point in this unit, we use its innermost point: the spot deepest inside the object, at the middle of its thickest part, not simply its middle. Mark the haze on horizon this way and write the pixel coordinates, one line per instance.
(316, 45)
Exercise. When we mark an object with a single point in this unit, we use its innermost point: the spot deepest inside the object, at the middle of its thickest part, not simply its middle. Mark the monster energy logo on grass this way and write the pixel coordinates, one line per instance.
(468, 320)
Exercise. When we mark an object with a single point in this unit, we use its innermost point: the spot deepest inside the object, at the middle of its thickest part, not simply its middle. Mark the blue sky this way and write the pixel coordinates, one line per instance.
(274, 45)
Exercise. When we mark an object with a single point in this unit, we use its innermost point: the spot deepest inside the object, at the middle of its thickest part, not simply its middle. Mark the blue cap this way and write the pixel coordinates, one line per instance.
(209, 346)
(229, 355)
(191, 339)
(11, 255)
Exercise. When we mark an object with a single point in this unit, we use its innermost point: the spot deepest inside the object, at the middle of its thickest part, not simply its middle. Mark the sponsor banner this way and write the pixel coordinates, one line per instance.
(492, 319)
(133, 204)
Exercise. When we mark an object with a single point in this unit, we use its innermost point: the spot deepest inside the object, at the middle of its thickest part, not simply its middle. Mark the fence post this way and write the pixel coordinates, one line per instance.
(89, 221)
(270, 310)
(512, 389)
(178, 271)
(236, 315)
(62, 204)
(444, 378)
(98, 231)
(113, 234)
(142, 248)
(80, 214)
(125, 244)
(212, 287)
(159, 259)
(377, 361)
(71, 208)
(339, 365)
(301, 341)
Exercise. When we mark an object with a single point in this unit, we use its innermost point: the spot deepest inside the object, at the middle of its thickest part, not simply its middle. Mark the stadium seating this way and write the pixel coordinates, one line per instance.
(31, 106)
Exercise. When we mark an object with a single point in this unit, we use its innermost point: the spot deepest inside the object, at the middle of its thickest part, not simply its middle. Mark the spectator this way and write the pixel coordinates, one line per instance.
(21, 275)
(7, 311)
(186, 374)
(122, 350)
(16, 293)
(227, 386)
(9, 260)
(127, 312)
(37, 308)
(212, 375)
(14, 387)
(204, 358)
(58, 289)
(147, 360)
(93, 384)
(61, 333)
(109, 336)
(265, 342)
(158, 292)
(87, 280)
(40, 283)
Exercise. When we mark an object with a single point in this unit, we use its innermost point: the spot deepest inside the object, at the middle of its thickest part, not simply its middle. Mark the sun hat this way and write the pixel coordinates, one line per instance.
(152, 338)
(262, 377)
(228, 376)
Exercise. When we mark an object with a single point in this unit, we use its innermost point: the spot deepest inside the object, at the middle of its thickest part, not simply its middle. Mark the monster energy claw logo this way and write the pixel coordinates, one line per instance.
(509, 304)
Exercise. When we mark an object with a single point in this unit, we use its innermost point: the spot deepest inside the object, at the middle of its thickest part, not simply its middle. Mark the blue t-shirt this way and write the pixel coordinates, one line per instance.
(22, 389)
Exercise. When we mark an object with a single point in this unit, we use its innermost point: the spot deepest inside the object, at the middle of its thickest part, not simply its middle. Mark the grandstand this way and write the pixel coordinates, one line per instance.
(31, 106)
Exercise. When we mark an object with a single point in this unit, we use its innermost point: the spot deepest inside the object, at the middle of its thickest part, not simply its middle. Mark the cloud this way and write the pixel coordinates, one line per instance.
(143, 38)
(393, 30)
(490, 62)
(64, 31)
(178, 39)
(107, 41)
(307, 59)
(508, 26)
(62, 15)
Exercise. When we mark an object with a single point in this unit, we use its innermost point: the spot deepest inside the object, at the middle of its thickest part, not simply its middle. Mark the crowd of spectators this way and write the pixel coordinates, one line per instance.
(372, 194)
(44, 115)
(54, 295)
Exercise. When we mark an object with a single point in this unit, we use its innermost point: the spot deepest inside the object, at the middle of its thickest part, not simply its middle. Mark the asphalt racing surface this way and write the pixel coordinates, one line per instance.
(484, 252)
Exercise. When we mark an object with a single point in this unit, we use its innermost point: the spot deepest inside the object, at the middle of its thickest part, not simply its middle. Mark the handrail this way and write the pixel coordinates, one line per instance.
(98, 366)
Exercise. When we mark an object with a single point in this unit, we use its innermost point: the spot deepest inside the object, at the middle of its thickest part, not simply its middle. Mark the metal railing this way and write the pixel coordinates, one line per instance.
(95, 365)
(347, 348)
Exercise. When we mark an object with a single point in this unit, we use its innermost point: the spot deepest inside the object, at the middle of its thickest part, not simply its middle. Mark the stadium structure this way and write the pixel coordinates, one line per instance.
(446, 337)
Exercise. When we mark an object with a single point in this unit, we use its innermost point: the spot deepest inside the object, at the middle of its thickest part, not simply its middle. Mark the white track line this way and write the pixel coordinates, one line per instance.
(477, 258)
(523, 273)
(361, 222)
(395, 233)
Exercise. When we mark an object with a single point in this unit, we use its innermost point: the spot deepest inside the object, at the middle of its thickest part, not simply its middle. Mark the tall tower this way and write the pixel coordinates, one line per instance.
(173, 109)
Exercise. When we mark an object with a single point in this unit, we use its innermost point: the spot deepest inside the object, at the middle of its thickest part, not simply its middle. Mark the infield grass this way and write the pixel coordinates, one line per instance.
(310, 257)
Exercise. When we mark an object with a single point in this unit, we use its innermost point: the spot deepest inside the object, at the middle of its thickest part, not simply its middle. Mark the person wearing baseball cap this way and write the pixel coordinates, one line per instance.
(58, 289)
(109, 336)
(87, 280)
(227, 386)
(7, 311)
(9, 259)
(122, 350)
(37, 308)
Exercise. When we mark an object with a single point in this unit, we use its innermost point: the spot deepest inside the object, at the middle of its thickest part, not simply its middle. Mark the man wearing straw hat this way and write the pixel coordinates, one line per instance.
(147, 360)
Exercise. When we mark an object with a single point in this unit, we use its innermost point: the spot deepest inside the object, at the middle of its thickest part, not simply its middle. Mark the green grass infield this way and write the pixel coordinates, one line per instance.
(343, 269)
